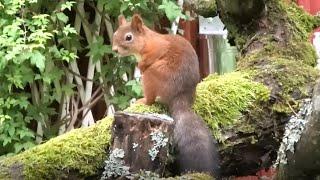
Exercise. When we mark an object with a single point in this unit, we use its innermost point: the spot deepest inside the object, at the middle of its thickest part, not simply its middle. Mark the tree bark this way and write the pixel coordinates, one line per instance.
(145, 140)
(277, 53)
(304, 163)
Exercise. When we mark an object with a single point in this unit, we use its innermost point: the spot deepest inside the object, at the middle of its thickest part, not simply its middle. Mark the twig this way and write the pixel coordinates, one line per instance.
(292, 109)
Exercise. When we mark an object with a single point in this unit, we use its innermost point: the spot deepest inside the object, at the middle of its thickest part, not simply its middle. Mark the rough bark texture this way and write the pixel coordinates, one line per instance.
(275, 51)
(304, 163)
(133, 133)
(204, 8)
(244, 11)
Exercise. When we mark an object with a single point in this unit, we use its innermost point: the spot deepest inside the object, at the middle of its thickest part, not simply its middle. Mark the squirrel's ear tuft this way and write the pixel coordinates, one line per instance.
(136, 23)
(121, 20)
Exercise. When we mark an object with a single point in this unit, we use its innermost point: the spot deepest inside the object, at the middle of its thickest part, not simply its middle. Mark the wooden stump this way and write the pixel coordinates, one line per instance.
(144, 138)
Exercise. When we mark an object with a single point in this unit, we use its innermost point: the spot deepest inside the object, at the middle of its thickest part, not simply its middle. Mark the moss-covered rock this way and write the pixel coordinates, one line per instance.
(81, 151)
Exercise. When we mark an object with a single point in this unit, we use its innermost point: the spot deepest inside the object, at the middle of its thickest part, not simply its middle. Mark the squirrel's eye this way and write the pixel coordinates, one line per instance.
(128, 37)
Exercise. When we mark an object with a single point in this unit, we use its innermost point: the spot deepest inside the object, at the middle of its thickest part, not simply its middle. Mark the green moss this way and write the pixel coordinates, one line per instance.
(190, 176)
(301, 23)
(140, 108)
(290, 79)
(205, 8)
(4, 173)
(81, 150)
(300, 51)
(221, 99)
(296, 24)
(194, 176)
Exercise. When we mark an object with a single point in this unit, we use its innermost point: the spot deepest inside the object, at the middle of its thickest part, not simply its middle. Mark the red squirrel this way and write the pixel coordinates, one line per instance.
(170, 72)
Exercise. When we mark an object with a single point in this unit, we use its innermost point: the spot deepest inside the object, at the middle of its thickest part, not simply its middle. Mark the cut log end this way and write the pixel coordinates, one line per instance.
(145, 140)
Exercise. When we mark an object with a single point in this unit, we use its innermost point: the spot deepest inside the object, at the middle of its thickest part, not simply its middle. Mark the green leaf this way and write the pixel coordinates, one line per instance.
(62, 17)
(121, 101)
(17, 147)
(68, 89)
(123, 7)
(69, 30)
(6, 140)
(11, 131)
(28, 145)
(38, 59)
(67, 5)
(98, 49)
(23, 102)
(25, 133)
(171, 9)
(67, 55)
(131, 83)
(137, 90)
(135, 87)
(55, 51)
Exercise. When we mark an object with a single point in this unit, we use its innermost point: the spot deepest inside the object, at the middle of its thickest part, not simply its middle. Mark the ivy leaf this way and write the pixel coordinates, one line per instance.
(62, 17)
(38, 59)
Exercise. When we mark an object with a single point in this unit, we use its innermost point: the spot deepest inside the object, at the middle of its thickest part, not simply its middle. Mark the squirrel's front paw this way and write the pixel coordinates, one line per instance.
(141, 101)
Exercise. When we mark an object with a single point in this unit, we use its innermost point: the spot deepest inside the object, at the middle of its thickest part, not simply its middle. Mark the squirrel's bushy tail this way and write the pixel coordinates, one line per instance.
(196, 148)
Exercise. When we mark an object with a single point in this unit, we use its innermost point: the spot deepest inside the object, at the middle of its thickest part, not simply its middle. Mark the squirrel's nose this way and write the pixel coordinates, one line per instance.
(115, 49)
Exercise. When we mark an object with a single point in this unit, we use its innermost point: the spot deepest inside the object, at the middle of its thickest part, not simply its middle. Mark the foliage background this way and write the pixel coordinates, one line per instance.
(56, 64)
